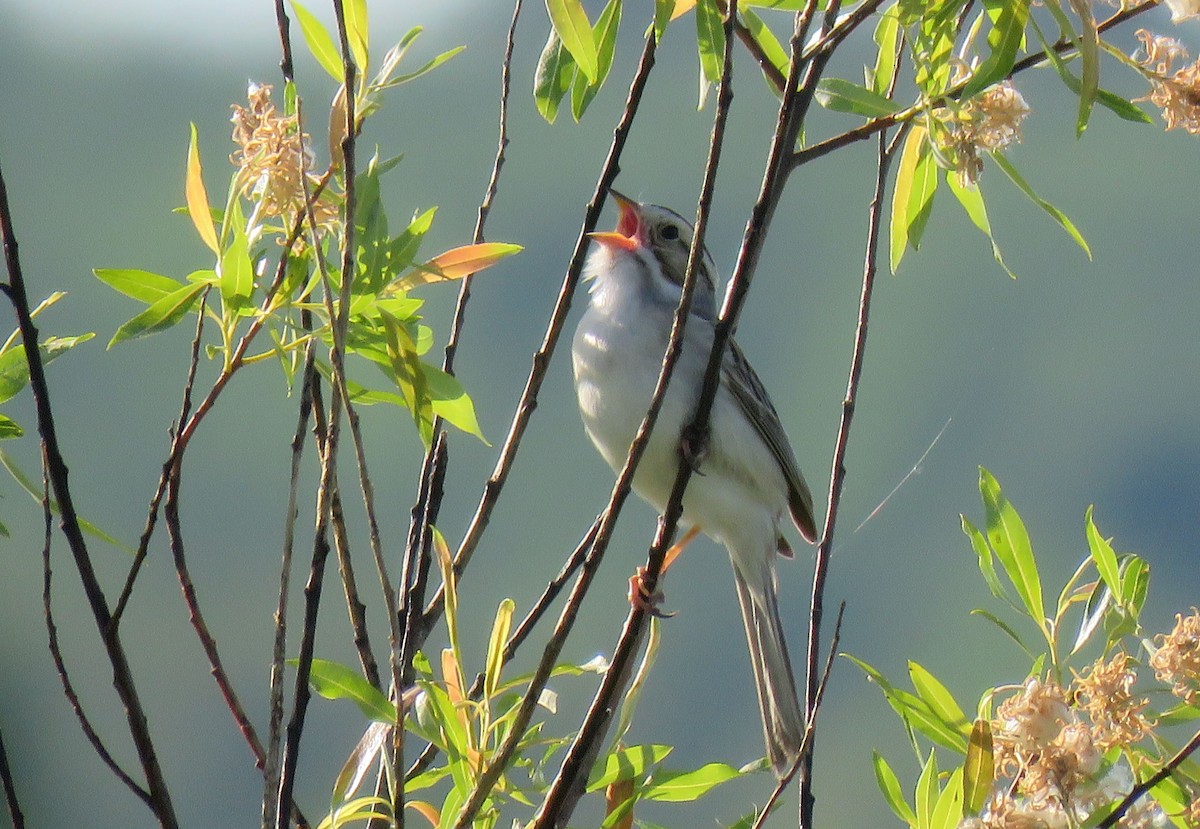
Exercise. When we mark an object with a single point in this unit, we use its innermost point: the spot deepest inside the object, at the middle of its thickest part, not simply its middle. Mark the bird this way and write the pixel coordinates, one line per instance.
(748, 482)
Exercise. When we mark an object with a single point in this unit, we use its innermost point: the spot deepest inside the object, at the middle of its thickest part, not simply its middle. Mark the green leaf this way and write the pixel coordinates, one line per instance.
(552, 78)
(1004, 628)
(408, 376)
(909, 190)
(843, 96)
(939, 699)
(403, 249)
(582, 91)
(630, 763)
(1006, 533)
(682, 787)
(495, 652)
(889, 784)
(710, 40)
(9, 428)
(236, 271)
(355, 14)
(1088, 43)
(1119, 106)
(927, 790)
(571, 23)
(319, 41)
(915, 711)
(984, 554)
(140, 285)
(197, 196)
(768, 44)
(971, 198)
(920, 204)
(450, 401)
(1050, 209)
(1008, 30)
(423, 69)
(948, 810)
(1102, 555)
(333, 680)
(979, 769)
(1135, 583)
(160, 316)
(887, 36)
(662, 16)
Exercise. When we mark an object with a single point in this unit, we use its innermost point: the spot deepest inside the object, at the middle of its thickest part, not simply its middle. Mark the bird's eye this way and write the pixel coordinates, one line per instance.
(669, 232)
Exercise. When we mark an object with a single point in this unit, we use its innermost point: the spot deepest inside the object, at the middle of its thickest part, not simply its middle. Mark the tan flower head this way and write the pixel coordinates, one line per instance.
(1175, 90)
(1177, 660)
(1105, 692)
(1031, 719)
(272, 158)
(989, 121)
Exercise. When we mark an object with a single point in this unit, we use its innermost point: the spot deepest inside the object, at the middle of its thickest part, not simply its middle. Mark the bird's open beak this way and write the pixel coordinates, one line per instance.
(627, 236)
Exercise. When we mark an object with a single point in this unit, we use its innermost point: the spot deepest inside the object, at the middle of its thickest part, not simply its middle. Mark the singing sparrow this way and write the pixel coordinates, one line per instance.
(747, 479)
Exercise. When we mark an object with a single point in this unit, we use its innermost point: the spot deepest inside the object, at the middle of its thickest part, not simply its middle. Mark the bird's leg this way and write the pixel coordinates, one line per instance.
(693, 445)
(648, 601)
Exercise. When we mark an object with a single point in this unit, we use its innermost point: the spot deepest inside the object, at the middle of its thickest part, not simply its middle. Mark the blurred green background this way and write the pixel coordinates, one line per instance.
(1075, 384)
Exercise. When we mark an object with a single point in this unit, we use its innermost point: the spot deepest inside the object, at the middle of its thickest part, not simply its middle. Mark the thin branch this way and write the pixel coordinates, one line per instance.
(805, 749)
(541, 358)
(56, 469)
(10, 789)
(837, 475)
(338, 325)
(877, 125)
(568, 785)
(1150, 782)
(60, 665)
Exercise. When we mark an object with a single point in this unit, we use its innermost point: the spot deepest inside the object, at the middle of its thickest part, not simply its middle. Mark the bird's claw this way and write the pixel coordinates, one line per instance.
(643, 599)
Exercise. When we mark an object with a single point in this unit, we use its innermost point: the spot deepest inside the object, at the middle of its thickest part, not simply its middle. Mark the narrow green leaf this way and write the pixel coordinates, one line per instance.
(889, 784)
(768, 44)
(403, 250)
(1102, 555)
(423, 69)
(1007, 536)
(971, 199)
(948, 809)
(927, 790)
(552, 78)
(629, 763)
(901, 192)
(408, 375)
(710, 40)
(685, 786)
(1119, 106)
(140, 285)
(979, 769)
(495, 653)
(160, 316)
(319, 41)
(333, 680)
(197, 196)
(1135, 583)
(571, 23)
(1008, 30)
(235, 270)
(1050, 209)
(14, 365)
(920, 199)
(1089, 54)
(662, 16)
(357, 31)
(887, 35)
(843, 96)
(450, 401)
(938, 697)
(986, 564)
(1098, 603)
(605, 32)
(9, 429)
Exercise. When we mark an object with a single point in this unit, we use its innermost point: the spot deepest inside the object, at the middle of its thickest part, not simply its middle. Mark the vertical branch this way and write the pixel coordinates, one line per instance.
(838, 474)
(312, 590)
(10, 789)
(56, 470)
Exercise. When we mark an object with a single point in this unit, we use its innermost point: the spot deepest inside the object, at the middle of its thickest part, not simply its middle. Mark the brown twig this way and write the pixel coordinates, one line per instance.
(805, 750)
(56, 469)
(338, 325)
(568, 785)
(877, 125)
(10, 789)
(1150, 782)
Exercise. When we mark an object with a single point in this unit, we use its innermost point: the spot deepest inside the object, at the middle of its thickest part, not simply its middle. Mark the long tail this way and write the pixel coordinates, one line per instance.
(782, 718)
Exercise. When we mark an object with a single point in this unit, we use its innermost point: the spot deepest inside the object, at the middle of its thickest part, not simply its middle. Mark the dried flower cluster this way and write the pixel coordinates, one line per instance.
(989, 121)
(1174, 88)
(1049, 751)
(272, 159)
(1177, 660)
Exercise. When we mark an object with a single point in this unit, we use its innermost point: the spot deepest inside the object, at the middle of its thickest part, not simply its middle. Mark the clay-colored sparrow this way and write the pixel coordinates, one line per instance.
(747, 478)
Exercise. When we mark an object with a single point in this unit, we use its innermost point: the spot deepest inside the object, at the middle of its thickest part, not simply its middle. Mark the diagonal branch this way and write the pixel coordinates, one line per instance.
(1150, 782)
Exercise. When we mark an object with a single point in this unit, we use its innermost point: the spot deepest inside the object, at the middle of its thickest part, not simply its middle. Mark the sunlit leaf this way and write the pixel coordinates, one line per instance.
(978, 768)
(552, 78)
(143, 286)
(357, 32)
(450, 401)
(14, 365)
(1004, 40)
(898, 224)
(319, 41)
(197, 196)
(770, 46)
(681, 787)
(235, 269)
(333, 680)
(408, 376)
(937, 697)
(970, 196)
(1050, 209)
(571, 23)
(843, 96)
(889, 785)
(927, 790)
(1089, 55)
(9, 429)
(887, 35)
(1119, 106)
(1103, 555)
(1007, 535)
(662, 16)
(361, 760)
(710, 39)
(456, 263)
(626, 763)
(948, 809)
(605, 32)
(161, 315)
(496, 642)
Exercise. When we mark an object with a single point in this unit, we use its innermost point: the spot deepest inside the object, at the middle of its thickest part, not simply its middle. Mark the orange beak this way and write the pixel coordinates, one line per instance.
(627, 236)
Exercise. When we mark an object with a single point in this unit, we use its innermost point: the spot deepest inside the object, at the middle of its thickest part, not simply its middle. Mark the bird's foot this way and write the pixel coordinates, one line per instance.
(644, 599)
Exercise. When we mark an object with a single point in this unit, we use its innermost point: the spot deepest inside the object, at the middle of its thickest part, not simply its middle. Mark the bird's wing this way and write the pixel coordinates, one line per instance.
(752, 399)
